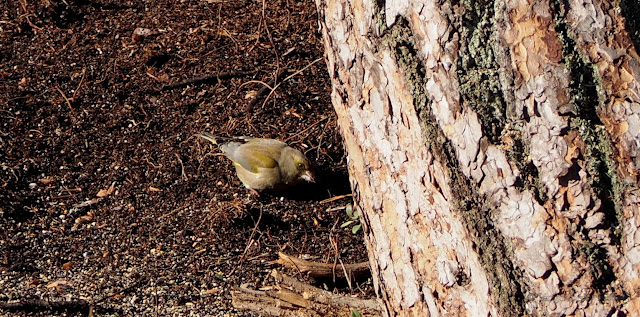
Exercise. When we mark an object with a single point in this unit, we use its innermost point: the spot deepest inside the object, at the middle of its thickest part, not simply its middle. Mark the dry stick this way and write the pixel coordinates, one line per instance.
(264, 88)
(325, 297)
(282, 302)
(84, 72)
(135, 285)
(246, 299)
(337, 259)
(289, 77)
(217, 76)
(261, 22)
(39, 304)
(184, 175)
(170, 213)
(305, 130)
(324, 270)
(249, 244)
(65, 98)
(230, 37)
(27, 14)
(266, 28)
(294, 298)
(334, 198)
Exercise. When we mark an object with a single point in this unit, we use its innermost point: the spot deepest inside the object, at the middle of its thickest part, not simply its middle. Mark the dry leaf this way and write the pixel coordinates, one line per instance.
(108, 191)
(59, 284)
(86, 203)
(86, 218)
(250, 94)
(154, 189)
(46, 180)
(293, 112)
(212, 291)
(142, 32)
(35, 281)
(621, 128)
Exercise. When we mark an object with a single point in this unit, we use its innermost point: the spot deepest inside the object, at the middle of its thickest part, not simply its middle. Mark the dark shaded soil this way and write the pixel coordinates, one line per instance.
(82, 112)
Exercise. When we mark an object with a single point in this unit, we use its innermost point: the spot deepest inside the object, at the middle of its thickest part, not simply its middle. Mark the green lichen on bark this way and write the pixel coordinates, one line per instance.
(609, 189)
(601, 270)
(380, 18)
(480, 87)
(599, 151)
(504, 278)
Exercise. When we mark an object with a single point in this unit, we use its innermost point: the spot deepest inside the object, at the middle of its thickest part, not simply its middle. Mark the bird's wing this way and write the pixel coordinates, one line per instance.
(252, 158)
(268, 143)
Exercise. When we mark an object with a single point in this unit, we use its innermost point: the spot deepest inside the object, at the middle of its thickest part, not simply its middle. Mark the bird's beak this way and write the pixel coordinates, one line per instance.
(308, 176)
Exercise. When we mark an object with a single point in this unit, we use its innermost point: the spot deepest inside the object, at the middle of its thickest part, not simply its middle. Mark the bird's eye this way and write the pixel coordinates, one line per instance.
(300, 165)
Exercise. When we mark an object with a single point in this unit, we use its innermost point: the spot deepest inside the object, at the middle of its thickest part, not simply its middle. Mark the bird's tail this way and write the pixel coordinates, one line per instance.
(209, 137)
(215, 138)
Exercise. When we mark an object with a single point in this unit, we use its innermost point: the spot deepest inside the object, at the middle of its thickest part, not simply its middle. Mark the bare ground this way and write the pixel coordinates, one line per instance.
(83, 114)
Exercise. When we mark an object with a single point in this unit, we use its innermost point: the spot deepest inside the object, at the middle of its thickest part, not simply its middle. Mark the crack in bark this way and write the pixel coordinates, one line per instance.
(630, 9)
(518, 154)
(504, 279)
(586, 101)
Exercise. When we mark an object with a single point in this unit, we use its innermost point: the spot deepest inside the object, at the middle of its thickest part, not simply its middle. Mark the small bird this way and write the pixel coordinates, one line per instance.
(264, 164)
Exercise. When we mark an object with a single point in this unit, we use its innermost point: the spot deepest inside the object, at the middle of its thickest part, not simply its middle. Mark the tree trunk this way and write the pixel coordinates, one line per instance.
(493, 152)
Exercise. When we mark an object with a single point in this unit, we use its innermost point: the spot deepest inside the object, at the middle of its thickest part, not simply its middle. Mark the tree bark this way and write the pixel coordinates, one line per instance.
(493, 152)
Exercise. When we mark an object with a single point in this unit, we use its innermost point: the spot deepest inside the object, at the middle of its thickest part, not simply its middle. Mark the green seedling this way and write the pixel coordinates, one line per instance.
(354, 219)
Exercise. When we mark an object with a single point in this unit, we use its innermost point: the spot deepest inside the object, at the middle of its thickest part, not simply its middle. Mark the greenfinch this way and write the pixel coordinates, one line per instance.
(264, 164)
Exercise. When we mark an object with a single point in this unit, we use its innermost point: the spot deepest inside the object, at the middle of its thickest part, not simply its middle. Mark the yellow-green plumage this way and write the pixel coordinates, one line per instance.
(264, 164)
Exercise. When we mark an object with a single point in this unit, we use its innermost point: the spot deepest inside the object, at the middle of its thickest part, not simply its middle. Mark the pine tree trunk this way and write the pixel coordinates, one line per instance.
(493, 152)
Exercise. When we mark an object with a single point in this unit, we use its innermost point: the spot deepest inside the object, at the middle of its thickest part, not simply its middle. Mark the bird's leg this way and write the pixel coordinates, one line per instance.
(253, 192)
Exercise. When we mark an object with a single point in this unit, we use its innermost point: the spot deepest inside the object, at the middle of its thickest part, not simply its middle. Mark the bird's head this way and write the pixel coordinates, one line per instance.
(295, 166)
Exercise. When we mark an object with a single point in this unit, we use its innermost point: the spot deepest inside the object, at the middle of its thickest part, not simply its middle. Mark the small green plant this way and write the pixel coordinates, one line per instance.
(356, 313)
(354, 219)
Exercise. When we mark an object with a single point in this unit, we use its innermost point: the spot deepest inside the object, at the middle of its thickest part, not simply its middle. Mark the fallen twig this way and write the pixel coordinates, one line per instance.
(65, 98)
(206, 78)
(249, 244)
(326, 297)
(290, 297)
(289, 77)
(334, 198)
(324, 270)
(264, 88)
(40, 304)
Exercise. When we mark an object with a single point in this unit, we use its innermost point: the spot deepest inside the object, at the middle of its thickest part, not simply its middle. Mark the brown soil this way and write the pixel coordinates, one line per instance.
(83, 113)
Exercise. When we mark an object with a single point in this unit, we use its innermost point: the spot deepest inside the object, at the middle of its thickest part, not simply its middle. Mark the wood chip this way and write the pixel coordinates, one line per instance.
(108, 191)
(47, 181)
